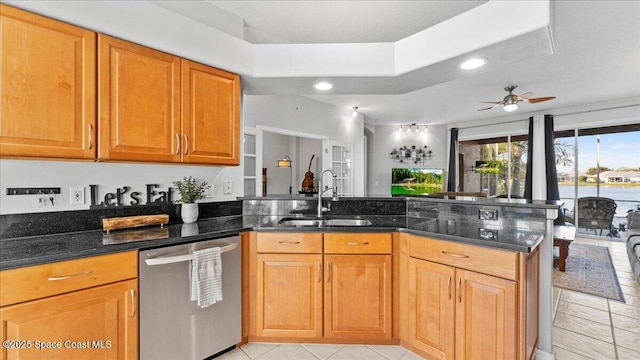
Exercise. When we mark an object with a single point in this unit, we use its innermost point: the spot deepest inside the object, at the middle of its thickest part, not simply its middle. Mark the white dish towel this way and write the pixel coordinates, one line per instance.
(206, 277)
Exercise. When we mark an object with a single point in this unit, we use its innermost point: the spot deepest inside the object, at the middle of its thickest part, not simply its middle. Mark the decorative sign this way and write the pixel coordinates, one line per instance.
(122, 197)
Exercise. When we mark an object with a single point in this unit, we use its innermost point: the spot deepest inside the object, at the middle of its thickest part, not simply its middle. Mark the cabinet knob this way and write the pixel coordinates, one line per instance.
(177, 144)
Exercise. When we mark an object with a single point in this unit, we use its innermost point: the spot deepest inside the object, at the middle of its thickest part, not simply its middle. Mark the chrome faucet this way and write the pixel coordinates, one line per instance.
(322, 209)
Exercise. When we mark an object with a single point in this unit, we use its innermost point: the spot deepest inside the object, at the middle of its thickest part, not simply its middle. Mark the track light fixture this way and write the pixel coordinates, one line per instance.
(413, 127)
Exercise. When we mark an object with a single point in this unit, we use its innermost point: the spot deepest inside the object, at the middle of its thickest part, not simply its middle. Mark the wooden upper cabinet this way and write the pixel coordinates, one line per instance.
(139, 102)
(210, 115)
(48, 87)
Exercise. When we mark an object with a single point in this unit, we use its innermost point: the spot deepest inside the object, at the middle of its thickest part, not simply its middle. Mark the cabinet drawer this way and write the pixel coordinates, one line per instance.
(350, 243)
(290, 243)
(34, 282)
(495, 262)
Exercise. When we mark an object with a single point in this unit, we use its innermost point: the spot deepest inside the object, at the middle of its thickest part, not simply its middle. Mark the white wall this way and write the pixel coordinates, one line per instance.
(109, 176)
(387, 137)
(274, 148)
(301, 114)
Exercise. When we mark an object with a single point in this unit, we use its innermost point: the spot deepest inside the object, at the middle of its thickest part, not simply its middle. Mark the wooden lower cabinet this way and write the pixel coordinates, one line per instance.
(460, 314)
(358, 296)
(289, 295)
(431, 308)
(486, 312)
(467, 304)
(97, 323)
(301, 292)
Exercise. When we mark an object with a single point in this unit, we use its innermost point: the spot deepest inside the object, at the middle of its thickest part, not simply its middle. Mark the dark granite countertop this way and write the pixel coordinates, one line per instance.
(34, 250)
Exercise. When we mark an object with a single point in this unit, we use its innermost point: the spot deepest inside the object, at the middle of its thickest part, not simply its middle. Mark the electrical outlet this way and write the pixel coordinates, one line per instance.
(76, 196)
(228, 187)
(488, 234)
(487, 214)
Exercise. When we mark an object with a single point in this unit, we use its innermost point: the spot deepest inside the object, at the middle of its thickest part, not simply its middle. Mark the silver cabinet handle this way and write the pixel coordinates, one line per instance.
(455, 255)
(186, 144)
(67, 277)
(90, 136)
(133, 302)
(319, 271)
(357, 243)
(288, 242)
(328, 272)
(177, 144)
(449, 287)
(459, 291)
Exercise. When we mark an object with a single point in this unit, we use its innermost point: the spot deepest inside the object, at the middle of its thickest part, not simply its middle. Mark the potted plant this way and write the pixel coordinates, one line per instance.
(190, 191)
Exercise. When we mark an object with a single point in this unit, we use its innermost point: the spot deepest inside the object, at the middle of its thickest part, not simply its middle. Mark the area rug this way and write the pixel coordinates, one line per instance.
(589, 270)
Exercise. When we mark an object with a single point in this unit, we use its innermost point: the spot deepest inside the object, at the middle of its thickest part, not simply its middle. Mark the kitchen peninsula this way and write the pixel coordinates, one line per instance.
(409, 237)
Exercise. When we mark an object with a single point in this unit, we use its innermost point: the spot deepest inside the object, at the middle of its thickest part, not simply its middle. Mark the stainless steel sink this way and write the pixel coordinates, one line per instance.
(326, 222)
(300, 222)
(346, 222)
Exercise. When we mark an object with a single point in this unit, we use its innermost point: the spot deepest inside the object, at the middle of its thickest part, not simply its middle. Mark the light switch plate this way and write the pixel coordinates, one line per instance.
(76, 196)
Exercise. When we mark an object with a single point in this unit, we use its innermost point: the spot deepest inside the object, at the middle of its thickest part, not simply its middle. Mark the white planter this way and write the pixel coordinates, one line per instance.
(189, 213)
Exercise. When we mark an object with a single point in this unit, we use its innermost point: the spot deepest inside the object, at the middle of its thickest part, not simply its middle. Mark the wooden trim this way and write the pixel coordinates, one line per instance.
(245, 239)
(395, 285)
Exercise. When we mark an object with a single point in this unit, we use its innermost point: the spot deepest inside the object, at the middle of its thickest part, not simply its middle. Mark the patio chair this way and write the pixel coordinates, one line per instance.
(594, 213)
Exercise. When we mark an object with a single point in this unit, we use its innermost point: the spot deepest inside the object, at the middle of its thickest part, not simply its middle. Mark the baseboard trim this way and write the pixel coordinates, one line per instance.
(543, 355)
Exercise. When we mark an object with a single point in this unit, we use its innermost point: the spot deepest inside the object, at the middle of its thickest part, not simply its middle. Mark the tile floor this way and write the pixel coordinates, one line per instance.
(591, 327)
(585, 327)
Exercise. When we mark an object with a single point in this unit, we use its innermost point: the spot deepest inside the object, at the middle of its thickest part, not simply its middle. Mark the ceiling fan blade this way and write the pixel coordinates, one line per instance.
(493, 102)
(540, 99)
(489, 108)
(525, 96)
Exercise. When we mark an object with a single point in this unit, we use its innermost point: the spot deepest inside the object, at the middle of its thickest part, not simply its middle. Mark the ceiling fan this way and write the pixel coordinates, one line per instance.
(510, 101)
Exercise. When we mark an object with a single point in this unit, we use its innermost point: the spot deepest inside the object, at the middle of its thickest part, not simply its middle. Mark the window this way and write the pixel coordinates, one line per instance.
(495, 166)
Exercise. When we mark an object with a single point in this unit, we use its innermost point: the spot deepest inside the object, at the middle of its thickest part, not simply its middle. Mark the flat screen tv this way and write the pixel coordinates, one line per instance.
(414, 181)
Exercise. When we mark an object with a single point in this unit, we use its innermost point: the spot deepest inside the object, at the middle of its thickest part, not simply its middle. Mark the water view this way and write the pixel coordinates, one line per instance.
(627, 198)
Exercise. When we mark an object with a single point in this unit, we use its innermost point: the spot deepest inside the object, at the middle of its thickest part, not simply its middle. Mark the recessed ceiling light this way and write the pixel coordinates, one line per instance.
(473, 63)
(323, 86)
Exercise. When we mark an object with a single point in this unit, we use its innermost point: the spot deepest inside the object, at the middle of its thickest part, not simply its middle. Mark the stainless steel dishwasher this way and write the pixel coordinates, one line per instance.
(171, 325)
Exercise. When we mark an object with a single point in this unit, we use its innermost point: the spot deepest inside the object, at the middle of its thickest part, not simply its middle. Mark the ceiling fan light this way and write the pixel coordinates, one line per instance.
(510, 107)
(473, 63)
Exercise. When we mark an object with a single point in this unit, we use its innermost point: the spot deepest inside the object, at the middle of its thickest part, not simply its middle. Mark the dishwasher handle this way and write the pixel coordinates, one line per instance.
(171, 259)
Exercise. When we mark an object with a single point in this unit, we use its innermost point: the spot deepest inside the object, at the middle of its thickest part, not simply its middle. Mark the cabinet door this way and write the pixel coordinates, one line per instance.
(210, 115)
(98, 323)
(47, 87)
(431, 308)
(486, 313)
(289, 295)
(139, 102)
(358, 296)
